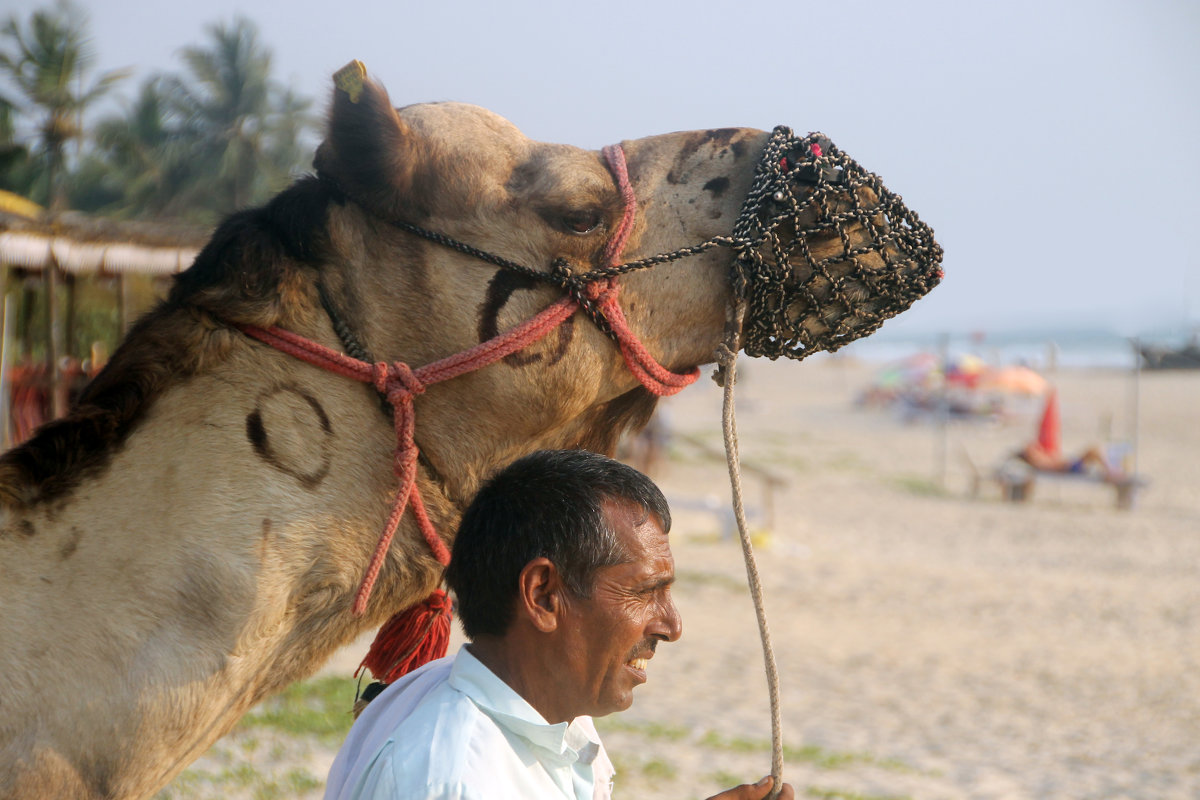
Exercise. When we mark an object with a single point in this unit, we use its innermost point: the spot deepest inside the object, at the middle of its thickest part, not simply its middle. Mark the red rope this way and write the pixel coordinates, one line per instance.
(655, 377)
(615, 156)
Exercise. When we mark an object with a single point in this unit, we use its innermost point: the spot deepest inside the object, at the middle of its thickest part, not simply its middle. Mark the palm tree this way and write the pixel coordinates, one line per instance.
(48, 61)
(14, 156)
(243, 128)
(139, 166)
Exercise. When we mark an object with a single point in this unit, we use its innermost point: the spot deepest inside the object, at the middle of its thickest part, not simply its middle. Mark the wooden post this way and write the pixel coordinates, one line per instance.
(53, 339)
(5, 357)
(122, 307)
(1135, 402)
(28, 303)
(943, 413)
(5, 388)
(69, 324)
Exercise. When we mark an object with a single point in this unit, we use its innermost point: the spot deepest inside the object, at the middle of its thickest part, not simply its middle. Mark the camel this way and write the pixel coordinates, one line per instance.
(190, 538)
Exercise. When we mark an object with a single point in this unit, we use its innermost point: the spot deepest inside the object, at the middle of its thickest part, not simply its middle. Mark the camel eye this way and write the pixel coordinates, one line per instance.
(582, 222)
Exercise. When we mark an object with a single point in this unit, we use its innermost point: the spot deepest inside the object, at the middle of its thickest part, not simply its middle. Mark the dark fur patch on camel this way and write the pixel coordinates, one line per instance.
(247, 273)
(629, 412)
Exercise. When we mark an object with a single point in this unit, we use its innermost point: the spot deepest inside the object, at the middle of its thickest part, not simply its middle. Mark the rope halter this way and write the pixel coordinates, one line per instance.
(824, 253)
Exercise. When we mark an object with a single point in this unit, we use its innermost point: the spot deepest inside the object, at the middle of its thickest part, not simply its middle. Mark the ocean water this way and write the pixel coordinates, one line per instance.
(1044, 349)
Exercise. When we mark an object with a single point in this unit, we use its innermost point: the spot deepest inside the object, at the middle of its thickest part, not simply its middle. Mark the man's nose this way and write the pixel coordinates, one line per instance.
(668, 624)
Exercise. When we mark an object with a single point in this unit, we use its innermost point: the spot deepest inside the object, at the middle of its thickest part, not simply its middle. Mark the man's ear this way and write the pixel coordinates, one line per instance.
(541, 594)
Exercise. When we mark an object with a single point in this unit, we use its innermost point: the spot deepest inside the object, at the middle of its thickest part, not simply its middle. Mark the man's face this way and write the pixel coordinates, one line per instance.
(611, 636)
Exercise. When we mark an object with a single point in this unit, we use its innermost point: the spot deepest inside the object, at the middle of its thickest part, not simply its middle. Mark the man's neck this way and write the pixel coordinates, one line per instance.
(510, 662)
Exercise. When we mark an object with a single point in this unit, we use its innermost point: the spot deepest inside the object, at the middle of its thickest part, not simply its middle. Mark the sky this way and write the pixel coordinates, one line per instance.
(1051, 145)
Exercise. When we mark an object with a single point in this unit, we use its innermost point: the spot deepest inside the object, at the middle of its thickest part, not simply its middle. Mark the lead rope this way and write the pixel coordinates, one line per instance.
(727, 377)
(635, 354)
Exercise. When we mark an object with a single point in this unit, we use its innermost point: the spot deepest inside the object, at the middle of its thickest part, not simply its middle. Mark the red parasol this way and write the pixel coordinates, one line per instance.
(1050, 429)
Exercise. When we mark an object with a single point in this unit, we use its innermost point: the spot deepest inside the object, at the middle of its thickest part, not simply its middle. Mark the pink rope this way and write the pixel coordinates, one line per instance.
(615, 156)
(655, 377)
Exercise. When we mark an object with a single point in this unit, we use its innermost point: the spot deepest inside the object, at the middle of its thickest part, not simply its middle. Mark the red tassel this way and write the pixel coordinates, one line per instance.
(413, 637)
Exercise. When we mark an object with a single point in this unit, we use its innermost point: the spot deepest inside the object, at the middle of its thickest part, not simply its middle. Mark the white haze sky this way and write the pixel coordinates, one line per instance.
(1053, 146)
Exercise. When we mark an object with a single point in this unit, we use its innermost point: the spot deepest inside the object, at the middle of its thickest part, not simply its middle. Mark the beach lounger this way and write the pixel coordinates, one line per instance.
(1016, 480)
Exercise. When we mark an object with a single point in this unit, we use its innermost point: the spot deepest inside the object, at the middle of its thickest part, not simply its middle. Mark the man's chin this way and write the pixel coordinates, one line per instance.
(616, 704)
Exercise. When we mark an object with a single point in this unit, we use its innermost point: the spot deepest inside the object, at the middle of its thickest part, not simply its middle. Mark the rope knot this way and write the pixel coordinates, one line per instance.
(396, 381)
(560, 273)
(725, 358)
(600, 291)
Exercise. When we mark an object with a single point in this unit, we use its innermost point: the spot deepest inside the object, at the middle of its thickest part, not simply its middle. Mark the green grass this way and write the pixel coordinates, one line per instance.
(659, 770)
(242, 775)
(736, 744)
(293, 782)
(809, 754)
(651, 730)
(654, 770)
(725, 780)
(914, 484)
(196, 783)
(319, 708)
(847, 461)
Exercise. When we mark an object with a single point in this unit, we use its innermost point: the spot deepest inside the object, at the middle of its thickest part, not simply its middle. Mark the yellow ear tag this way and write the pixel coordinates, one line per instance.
(350, 79)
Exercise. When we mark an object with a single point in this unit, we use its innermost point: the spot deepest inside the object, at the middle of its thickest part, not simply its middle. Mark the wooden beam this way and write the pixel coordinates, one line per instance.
(54, 347)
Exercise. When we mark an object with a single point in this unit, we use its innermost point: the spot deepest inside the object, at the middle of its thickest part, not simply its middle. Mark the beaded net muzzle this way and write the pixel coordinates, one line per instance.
(824, 253)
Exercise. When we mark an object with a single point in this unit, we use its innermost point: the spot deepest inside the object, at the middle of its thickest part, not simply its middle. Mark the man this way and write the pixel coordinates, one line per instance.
(563, 575)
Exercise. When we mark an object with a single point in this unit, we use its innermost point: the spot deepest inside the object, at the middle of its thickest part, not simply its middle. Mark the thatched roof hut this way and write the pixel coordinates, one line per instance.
(44, 248)
(32, 239)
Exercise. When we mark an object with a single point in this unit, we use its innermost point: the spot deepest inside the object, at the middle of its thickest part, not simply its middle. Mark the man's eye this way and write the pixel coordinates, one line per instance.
(582, 221)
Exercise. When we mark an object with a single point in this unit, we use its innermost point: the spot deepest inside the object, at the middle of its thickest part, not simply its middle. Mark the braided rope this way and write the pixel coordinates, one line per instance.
(727, 360)
(614, 154)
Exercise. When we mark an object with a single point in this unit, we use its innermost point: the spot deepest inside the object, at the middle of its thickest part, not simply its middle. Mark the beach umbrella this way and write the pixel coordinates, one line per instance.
(1014, 380)
(1050, 428)
(916, 370)
(965, 370)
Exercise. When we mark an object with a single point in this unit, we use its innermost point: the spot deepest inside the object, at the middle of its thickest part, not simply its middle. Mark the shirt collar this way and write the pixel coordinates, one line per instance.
(570, 742)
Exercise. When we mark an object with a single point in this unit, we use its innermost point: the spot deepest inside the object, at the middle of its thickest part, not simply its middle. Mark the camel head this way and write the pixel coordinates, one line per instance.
(819, 253)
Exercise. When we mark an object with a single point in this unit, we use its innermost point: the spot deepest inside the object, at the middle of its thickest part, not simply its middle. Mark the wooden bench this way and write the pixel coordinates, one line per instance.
(1016, 480)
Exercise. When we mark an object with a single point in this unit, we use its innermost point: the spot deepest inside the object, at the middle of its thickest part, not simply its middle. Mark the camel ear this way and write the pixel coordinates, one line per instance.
(368, 151)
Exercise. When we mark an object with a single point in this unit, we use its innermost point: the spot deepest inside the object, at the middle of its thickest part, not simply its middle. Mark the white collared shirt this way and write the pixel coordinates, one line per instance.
(452, 730)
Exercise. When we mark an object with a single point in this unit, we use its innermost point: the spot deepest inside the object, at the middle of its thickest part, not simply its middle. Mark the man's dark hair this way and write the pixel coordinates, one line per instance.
(548, 504)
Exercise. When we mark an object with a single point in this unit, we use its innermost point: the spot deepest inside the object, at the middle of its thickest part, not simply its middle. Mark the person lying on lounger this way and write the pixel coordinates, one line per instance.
(1091, 461)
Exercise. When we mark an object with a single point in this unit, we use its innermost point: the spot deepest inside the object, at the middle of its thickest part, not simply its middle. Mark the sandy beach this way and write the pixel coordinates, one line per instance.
(931, 644)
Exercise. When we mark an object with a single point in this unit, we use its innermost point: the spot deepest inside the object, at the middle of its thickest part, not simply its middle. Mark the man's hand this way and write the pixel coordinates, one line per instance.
(755, 791)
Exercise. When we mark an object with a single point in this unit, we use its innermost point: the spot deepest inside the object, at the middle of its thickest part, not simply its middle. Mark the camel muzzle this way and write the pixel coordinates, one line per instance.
(824, 252)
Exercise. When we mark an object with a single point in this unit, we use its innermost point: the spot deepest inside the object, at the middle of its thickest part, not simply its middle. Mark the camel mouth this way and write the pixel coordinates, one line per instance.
(826, 252)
